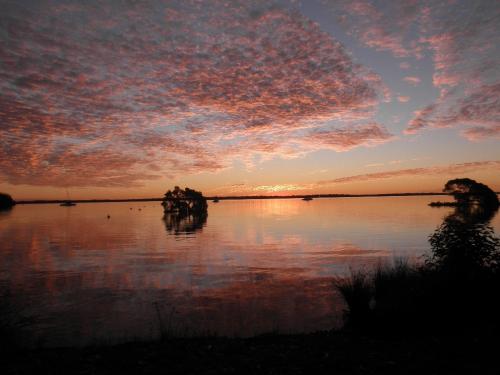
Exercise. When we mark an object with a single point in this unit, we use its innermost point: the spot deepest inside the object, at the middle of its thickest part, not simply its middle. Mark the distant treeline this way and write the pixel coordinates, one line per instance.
(41, 201)
(326, 196)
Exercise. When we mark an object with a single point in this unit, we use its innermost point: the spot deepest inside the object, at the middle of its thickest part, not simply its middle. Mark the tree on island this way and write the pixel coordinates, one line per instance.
(468, 193)
(6, 201)
(465, 241)
(187, 201)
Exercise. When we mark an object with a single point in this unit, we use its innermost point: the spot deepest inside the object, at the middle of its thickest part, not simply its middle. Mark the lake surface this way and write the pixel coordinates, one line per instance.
(253, 266)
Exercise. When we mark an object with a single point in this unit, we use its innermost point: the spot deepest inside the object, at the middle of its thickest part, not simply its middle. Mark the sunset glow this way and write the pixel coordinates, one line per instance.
(112, 99)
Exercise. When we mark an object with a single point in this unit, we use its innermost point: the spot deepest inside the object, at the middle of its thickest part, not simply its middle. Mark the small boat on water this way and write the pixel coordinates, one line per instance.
(215, 200)
(307, 199)
(68, 204)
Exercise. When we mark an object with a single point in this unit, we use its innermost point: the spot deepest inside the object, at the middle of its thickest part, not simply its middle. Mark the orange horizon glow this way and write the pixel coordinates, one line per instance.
(416, 180)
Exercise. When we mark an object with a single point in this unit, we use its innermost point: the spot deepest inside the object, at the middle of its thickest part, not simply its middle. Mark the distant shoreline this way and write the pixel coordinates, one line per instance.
(242, 197)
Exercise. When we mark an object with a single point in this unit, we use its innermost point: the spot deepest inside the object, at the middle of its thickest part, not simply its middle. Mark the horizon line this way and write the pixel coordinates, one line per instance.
(232, 197)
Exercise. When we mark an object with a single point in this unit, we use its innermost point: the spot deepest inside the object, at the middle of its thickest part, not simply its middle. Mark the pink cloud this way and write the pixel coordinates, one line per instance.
(446, 170)
(421, 119)
(481, 109)
(465, 69)
(373, 165)
(412, 80)
(403, 98)
(348, 138)
(479, 133)
(382, 28)
(139, 91)
(458, 36)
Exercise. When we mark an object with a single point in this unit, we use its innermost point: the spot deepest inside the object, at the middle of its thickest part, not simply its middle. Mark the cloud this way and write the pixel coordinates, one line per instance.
(415, 81)
(403, 98)
(127, 92)
(373, 165)
(386, 28)
(421, 119)
(452, 169)
(348, 138)
(461, 38)
(280, 188)
(480, 109)
(478, 133)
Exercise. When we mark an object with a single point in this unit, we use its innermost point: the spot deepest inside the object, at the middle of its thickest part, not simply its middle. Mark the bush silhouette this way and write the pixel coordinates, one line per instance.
(187, 201)
(455, 290)
(6, 201)
(470, 192)
(462, 246)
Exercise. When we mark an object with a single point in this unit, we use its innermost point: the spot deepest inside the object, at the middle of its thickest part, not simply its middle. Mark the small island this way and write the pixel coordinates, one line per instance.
(6, 201)
(187, 201)
(468, 192)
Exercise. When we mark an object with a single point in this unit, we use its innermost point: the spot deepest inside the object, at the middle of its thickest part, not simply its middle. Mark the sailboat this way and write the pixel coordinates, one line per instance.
(68, 202)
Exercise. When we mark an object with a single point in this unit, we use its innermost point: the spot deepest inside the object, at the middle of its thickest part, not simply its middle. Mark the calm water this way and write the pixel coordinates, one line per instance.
(253, 266)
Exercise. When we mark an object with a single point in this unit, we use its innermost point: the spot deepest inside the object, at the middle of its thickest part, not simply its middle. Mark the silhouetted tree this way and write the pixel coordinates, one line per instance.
(470, 192)
(6, 201)
(465, 241)
(457, 288)
(464, 245)
(178, 223)
(187, 201)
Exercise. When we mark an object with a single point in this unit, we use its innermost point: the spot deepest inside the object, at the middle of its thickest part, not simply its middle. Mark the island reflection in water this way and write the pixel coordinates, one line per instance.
(250, 267)
(178, 223)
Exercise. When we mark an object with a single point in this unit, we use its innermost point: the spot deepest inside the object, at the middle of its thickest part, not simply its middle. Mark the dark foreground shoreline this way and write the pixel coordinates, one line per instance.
(242, 197)
(321, 352)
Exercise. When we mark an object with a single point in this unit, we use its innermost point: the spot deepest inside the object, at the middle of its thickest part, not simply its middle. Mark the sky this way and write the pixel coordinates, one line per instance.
(126, 99)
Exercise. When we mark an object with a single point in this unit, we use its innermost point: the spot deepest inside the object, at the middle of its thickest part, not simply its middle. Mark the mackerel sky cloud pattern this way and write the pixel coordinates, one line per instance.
(460, 38)
(118, 93)
(445, 170)
(108, 93)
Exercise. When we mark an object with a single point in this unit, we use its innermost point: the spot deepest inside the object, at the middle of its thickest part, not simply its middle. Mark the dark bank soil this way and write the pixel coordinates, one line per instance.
(335, 353)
